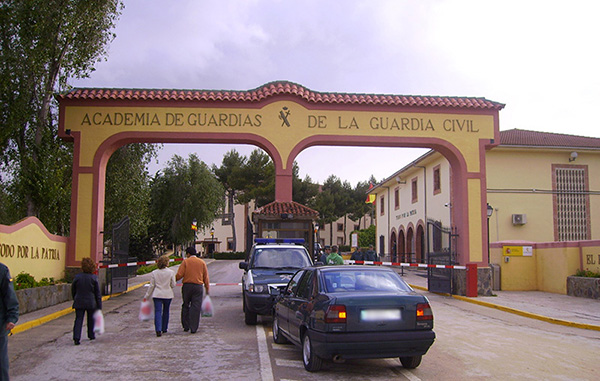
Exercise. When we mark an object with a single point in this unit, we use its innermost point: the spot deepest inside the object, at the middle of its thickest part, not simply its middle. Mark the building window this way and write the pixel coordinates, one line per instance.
(229, 244)
(571, 203)
(340, 241)
(414, 189)
(437, 180)
(340, 227)
(356, 227)
(397, 198)
(381, 205)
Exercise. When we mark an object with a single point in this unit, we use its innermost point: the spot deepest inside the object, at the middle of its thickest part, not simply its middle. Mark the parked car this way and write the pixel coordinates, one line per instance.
(271, 264)
(350, 312)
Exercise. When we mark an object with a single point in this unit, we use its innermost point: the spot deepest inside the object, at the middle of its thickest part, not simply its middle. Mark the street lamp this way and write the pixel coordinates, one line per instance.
(195, 229)
(316, 243)
(489, 211)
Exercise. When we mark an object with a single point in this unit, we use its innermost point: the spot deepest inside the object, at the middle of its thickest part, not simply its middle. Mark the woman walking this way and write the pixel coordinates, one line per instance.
(86, 299)
(162, 281)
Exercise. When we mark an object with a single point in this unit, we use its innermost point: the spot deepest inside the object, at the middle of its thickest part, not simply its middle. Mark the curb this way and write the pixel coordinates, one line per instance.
(529, 314)
(55, 315)
(518, 312)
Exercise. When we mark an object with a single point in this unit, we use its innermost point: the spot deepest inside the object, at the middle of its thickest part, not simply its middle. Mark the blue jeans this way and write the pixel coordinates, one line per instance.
(161, 314)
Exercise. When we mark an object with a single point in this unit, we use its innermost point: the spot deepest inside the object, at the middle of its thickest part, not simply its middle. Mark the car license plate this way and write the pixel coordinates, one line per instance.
(372, 315)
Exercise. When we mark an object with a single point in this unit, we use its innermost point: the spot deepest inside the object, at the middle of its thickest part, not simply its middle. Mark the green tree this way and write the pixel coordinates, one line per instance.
(359, 208)
(180, 193)
(230, 175)
(258, 179)
(43, 43)
(303, 191)
(127, 193)
(333, 201)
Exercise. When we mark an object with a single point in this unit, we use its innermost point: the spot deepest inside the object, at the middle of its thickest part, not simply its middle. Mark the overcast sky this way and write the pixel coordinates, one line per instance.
(540, 58)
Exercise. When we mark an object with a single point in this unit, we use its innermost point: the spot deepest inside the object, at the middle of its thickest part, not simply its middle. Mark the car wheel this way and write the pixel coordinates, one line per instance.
(311, 361)
(411, 362)
(277, 336)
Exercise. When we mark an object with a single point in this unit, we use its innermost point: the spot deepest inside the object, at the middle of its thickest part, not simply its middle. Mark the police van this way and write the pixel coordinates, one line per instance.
(270, 266)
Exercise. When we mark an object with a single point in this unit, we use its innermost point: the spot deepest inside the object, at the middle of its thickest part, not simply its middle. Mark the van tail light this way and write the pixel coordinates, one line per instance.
(336, 314)
(424, 312)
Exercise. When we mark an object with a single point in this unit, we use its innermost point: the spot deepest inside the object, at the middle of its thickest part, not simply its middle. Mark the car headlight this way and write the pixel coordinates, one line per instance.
(258, 288)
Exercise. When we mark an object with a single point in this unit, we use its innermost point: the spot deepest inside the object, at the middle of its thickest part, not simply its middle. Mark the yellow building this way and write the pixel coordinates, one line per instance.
(543, 195)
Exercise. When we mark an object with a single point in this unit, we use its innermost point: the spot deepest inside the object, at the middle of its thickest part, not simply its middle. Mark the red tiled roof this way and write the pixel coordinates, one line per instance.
(517, 137)
(280, 88)
(277, 208)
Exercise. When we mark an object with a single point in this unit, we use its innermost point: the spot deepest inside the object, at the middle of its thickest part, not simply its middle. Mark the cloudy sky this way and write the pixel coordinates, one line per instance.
(540, 58)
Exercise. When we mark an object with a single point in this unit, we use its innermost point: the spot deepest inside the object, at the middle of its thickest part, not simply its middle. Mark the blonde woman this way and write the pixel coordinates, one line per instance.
(162, 281)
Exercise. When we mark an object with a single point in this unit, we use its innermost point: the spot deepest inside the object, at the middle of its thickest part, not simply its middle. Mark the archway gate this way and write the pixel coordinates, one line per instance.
(283, 119)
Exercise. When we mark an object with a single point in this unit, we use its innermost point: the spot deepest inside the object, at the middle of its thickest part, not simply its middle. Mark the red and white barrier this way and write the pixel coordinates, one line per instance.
(114, 265)
(400, 264)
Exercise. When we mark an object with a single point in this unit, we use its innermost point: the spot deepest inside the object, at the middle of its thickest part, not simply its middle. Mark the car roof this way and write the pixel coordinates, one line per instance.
(351, 268)
(278, 245)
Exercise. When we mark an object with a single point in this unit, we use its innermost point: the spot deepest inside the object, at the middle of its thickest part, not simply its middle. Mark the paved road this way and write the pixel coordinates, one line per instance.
(473, 343)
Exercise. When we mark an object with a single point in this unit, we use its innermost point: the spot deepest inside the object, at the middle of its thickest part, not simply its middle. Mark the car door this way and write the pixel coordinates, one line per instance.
(283, 306)
(301, 304)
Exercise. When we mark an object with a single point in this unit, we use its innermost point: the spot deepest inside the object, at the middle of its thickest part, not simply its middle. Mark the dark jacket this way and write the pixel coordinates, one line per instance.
(86, 292)
(371, 255)
(357, 255)
(9, 304)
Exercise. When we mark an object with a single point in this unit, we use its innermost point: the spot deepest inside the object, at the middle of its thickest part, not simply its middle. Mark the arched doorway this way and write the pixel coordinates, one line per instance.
(420, 244)
(393, 247)
(410, 245)
(283, 119)
(401, 246)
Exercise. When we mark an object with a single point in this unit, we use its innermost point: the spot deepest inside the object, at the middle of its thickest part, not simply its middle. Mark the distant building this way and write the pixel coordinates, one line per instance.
(541, 187)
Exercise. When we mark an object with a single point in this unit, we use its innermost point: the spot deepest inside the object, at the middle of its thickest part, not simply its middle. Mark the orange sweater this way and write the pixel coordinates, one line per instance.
(194, 270)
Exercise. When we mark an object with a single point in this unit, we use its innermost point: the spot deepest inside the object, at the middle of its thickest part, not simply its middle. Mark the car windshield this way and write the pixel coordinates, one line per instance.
(281, 257)
(363, 280)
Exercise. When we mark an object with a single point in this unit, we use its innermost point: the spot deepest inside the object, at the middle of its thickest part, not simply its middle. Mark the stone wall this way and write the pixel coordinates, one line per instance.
(484, 282)
(584, 287)
(32, 299)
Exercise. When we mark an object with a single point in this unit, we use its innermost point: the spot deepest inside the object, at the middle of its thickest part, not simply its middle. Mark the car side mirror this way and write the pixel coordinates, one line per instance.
(243, 265)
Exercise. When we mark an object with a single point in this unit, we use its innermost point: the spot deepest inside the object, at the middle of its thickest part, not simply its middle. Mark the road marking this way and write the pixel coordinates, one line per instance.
(405, 372)
(289, 363)
(266, 372)
(282, 347)
(408, 374)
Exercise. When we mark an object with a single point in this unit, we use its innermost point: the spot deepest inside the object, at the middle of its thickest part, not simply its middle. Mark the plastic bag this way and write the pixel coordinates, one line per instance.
(207, 307)
(145, 310)
(98, 322)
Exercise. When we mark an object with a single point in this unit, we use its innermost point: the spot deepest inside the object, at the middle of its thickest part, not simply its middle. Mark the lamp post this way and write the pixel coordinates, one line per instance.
(315, 242)
(212, 239)
(489, 211)
(195, 229)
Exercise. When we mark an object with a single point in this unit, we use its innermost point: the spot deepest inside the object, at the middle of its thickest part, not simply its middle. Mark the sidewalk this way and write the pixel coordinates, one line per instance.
(553, 308)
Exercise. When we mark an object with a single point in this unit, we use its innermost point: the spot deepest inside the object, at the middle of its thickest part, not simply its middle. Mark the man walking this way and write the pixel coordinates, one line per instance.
(9, 314)
(334, 258)
(194, 272)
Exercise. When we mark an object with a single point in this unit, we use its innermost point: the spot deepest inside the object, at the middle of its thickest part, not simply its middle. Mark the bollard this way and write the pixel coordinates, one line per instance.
(471, 280)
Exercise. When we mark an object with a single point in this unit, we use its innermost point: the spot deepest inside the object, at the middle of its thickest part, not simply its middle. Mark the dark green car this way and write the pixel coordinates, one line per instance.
(349, 312)
(270, 266)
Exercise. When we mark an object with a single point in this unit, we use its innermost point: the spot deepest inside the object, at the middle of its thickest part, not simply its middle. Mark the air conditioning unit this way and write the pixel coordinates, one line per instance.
(519, 219)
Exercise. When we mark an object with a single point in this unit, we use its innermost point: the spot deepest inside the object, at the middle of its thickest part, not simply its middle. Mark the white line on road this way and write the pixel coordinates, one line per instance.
(263, 352)
(289, 363)
(289, 348)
